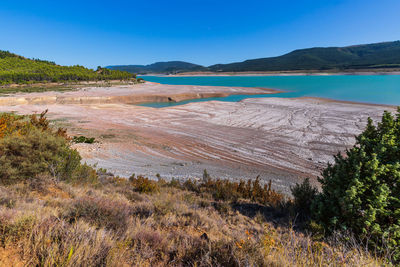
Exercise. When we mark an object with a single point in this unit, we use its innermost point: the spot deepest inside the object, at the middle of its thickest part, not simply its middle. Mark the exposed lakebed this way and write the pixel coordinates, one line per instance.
(280, 139)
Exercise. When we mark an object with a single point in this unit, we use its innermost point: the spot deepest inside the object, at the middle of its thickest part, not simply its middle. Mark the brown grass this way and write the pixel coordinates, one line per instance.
(11, 257)
(112, 224)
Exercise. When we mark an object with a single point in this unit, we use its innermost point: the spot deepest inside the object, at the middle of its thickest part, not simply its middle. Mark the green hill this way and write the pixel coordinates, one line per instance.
(370, 56)
(160, 67)
(17, 69)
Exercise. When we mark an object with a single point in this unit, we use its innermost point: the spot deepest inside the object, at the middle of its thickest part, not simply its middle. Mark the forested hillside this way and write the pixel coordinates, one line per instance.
(17, 69)
(160, 67)
(366, 57)
(370, 56)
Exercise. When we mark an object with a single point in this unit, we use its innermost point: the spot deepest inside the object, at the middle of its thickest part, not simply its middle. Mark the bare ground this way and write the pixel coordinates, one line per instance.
(277, 138)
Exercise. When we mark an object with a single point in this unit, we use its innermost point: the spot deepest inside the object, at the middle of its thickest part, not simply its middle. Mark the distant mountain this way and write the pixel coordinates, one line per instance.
(379, 55)
(160, 67)
(370, 56)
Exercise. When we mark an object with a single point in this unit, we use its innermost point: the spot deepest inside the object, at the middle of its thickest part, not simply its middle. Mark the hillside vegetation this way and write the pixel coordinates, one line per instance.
(366, 57)
(370, 56)
(160, 67)
(55, 211)
(17, 69)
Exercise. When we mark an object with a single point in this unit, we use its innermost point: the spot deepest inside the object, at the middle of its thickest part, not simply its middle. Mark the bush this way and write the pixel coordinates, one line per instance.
(252, 189)
(144, 185)
(231, 191)
(30, 148)
(83, 173)
(27, 156)
(304, 194)
(361, 191)
(83, 139)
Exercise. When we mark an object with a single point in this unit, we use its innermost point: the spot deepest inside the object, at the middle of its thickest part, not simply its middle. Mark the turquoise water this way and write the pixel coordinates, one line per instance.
(379, 89)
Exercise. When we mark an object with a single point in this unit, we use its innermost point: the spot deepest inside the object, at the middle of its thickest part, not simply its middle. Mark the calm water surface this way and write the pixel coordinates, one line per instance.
(379, 89)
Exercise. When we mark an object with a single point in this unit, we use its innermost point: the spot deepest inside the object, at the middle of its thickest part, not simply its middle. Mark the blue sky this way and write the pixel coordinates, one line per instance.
(93, 33)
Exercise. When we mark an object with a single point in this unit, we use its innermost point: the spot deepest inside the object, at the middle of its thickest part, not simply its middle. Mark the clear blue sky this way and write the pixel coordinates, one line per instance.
(93, 33)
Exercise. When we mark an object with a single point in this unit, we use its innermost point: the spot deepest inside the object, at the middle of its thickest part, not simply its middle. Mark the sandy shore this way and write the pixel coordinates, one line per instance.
(130, 94)
(280, 139)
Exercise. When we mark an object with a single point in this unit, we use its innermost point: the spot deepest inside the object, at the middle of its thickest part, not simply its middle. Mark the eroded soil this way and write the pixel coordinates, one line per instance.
(280, 139)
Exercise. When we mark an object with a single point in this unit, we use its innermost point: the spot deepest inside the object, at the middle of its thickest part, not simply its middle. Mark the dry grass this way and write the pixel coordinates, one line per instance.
(11, 257)
(112, 224)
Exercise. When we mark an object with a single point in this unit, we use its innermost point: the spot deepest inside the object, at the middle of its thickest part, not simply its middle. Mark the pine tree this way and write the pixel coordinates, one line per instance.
(361, 191)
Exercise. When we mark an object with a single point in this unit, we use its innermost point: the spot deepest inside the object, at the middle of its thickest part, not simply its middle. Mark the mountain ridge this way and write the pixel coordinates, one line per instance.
(167, 66)
(384, 55)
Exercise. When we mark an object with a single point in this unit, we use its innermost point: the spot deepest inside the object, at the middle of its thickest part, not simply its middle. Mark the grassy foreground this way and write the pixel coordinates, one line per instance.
(113, 223)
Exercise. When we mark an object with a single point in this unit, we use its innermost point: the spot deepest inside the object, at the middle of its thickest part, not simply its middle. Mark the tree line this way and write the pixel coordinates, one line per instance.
(17, 69)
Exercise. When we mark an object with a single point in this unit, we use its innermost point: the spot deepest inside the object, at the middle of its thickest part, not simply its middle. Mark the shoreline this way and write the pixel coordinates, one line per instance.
(278, 73)
(149, 92)
(332, 100)
(101, 95)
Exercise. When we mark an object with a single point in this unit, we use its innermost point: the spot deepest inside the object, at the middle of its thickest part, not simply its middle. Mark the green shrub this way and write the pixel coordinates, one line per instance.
(361, 191)
(83, 139)
(29, 148)
(83, 173)
(27, 156)
(304, 194)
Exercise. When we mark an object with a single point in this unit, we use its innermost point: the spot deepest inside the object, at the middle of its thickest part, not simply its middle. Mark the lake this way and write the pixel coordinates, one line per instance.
(378, 89)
